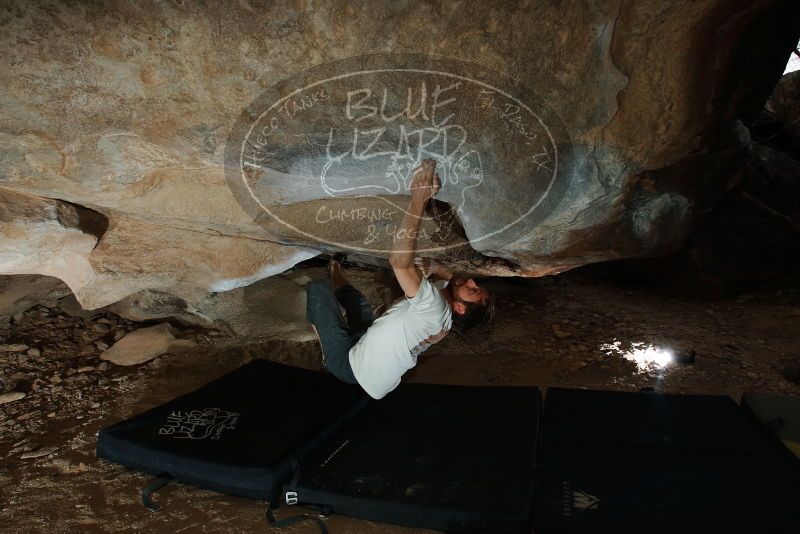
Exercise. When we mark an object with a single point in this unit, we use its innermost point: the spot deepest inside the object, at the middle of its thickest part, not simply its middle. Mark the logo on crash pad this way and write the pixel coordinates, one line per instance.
(199, 424)
(575, 501)
(326, 157)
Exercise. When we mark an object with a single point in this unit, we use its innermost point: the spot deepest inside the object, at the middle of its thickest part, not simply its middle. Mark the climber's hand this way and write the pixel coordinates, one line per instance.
(425, 183)
(432, 268)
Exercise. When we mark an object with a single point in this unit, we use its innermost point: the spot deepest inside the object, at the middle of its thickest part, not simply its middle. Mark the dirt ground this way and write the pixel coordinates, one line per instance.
(574, 330)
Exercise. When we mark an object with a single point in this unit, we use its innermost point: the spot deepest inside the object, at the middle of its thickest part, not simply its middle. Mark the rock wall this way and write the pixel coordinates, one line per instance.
(116, 118)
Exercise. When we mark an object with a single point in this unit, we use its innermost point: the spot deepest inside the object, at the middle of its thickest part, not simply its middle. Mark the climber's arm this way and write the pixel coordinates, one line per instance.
(424, 185)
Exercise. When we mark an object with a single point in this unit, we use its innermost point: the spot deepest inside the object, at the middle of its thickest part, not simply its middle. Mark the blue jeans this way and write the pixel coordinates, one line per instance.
(337, 334)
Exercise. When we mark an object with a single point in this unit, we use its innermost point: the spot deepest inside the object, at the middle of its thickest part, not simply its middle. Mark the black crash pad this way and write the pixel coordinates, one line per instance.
(238, 434)
(780, 414)
(451, 458)
(645, 462)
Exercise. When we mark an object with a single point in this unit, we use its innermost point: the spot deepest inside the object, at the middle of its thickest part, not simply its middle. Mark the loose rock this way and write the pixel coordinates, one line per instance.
(144, 344)
(559, 332)
(11, 397)
(44, 451)
(14, 347)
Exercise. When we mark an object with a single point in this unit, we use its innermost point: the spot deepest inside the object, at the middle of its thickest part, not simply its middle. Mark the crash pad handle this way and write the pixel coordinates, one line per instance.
(152, 487)
(293, 520)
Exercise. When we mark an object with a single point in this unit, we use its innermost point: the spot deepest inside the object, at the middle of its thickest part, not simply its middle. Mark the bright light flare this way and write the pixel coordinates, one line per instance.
(646, 356)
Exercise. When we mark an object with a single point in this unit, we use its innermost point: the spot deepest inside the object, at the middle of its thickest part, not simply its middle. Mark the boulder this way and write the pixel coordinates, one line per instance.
(753, 234)
(750, 238)
(184, 150)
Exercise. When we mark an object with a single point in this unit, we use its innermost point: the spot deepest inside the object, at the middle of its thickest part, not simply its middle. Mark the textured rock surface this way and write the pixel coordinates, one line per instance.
(753, 233)
(115, 122)
(783, 107)
(18, 293)
(103, 262)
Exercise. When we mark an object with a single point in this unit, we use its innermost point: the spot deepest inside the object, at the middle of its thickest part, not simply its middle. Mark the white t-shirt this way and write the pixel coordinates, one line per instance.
(391, 345)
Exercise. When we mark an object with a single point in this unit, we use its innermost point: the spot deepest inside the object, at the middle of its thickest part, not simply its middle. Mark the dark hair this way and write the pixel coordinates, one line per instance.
(476, 314)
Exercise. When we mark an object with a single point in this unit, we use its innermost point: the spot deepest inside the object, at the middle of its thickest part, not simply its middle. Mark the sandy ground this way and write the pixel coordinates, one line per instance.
(571, 330)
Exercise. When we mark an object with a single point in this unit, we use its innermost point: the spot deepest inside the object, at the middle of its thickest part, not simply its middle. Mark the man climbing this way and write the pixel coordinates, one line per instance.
(376, 352)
